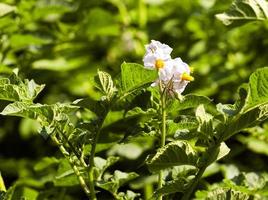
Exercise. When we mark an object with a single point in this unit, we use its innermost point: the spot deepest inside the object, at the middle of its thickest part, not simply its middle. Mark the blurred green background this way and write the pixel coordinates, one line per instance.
(62, 43)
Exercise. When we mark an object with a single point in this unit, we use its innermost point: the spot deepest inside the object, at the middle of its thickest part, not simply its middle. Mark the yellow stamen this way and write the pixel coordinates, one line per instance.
(191, 69)
(159, 64)
(187, 77)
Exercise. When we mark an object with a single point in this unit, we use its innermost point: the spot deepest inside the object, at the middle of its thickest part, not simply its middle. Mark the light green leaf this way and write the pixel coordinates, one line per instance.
(33, 111)
(7, 92)
(255, 144)
(245, 11)
(224, 150)
(60, 63)
(205, 121)
(19, 91)
(18, 41)
(222, 193)
(123, 177)
(2, 184)
(5, 9)
(173, 154)
(135, 76)
(101, 164)
(129, 195)
(118, 179)
(258, 90)
(105, 84)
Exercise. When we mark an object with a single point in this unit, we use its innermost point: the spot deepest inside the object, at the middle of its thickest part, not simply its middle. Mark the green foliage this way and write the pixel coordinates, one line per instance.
(134, 76)
(213, 134)
(243, 186)
(5, 9)
(174, 154)
(245, 10)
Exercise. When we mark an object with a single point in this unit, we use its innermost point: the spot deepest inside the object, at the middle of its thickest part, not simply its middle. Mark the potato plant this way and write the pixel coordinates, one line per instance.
(173, 140)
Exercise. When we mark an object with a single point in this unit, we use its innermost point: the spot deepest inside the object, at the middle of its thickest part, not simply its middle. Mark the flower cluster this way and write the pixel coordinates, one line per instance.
(173, 73)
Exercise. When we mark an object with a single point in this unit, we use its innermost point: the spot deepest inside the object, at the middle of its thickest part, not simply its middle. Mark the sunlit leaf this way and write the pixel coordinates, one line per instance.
(5, 9)
(224, 150)
(244, 11)
(258, 89)
(135, 76)
(33, 111)
(105, 84)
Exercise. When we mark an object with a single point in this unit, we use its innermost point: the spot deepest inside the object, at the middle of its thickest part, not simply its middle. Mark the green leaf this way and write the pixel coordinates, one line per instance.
(33, 111)
(137, 111)
(18, 41)
(189, 101)
(245, 120)
(257, 90)
(45, 163)
(101, 164)
(135, 76)
(101, 22)
(224, 150)
(19, 91)
(5, 9)
(2, 184)
(65, 175)
(255, 144)
(222, 193)
(182, 129)
(173, 154)
(7, 92)
(123, 177)
(178, 185)
(129, 195)
(113, 183)
(205, 121)
(245, 11)
(105, 84)
(59, 64)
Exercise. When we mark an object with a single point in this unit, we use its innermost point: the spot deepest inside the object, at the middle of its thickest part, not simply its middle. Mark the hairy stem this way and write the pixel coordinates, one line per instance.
(73, 149)
(163, 136)
(91, 159)
(72, 162)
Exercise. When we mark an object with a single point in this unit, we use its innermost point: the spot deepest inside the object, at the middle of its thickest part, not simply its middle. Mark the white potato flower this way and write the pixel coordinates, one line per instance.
(175, 76)
(156, 56)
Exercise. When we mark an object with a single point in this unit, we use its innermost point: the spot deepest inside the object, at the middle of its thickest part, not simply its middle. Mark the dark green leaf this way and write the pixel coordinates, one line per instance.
(189, 101)
(173, 154)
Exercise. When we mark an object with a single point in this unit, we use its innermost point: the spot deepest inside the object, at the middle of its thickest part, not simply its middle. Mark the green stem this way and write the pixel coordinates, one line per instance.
(148, 191)
(91, 159)
(212, 151)
(73, 149)
(72, 162)
(163, 137)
